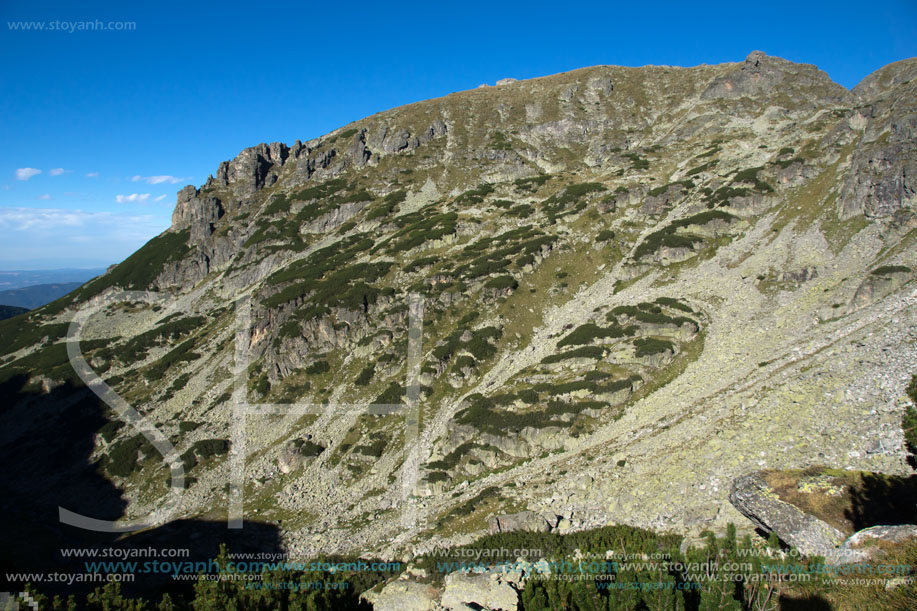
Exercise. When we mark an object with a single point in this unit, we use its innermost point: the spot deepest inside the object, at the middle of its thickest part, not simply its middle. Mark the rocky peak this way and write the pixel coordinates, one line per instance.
(251, 169)
(886, 80)
(196, 212)
(765, 76)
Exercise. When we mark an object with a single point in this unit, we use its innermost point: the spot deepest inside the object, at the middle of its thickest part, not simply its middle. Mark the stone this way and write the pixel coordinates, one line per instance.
(524, 520)
(403, 596)
(757, 501)
(898, 533)
(479, 591)
(875, 287)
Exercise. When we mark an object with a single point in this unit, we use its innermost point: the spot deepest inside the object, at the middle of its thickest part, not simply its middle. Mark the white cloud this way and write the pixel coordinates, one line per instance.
(60, 235)
(58, 171)
(156, 180)
(26, 173)
(133, 197)
(23, 219)
(92, 175)
(159, 198)
(45, 196)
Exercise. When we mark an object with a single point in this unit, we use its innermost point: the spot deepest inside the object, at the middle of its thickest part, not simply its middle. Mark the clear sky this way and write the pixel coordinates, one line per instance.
(117, 121)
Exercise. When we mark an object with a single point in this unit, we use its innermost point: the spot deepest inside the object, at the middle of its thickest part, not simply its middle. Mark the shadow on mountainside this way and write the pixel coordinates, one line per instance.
(46, 441)
(882, 500)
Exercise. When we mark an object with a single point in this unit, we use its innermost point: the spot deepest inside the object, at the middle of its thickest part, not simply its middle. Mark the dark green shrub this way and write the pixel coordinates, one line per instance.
(750, 176)
(785, 163)
(589, 352)
(18, 334)
(278, 204)
(605, 235)
(532, 183)
(703, 218)
(428, 229)
(366, 375)
(648, 346)
(887, 270)
(687, 184)
(122, 459)
(182, 354)
(375, 448)
(560, 203)
(637, 162)
(713, 150)
(307, 448)
(206, 448)
(468, 318)
(500, 283)
(475, 196)
(417, 264)
(500, 142)
(392, 395)
(650, 316)
(318, 367)
(110, 429)
(665, 237)
(673, 303)
(321, 190)
(587, 333)
(179, 383)
(137, 347)
(186, 426)
(388, 205)
(263, 385)
(452, 459)
(462, 362)
(479, 346)
(521, 211)
(701, 168)
(189, 460)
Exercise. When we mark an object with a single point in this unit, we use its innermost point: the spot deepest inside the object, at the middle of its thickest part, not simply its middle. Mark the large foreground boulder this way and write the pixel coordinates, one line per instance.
(757, 501)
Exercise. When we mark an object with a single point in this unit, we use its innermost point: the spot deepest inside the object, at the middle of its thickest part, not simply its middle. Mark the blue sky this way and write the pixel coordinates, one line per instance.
(118, 121)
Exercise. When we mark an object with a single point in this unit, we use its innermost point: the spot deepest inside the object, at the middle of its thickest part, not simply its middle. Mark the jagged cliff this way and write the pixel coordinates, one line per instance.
(637, 284)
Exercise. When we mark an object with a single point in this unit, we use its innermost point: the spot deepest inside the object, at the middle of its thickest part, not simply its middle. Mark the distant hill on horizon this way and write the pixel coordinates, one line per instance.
(35, 296)
(14, 279)
(10, 311)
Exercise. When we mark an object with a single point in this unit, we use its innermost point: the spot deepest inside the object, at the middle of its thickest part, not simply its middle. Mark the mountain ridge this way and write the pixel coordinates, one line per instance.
(635, 280)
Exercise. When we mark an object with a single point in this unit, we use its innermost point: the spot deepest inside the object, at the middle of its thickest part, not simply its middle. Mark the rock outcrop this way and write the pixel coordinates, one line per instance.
(883, 173)
(525, 520)
(479, 591)
(811, 536)
(757, 501)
